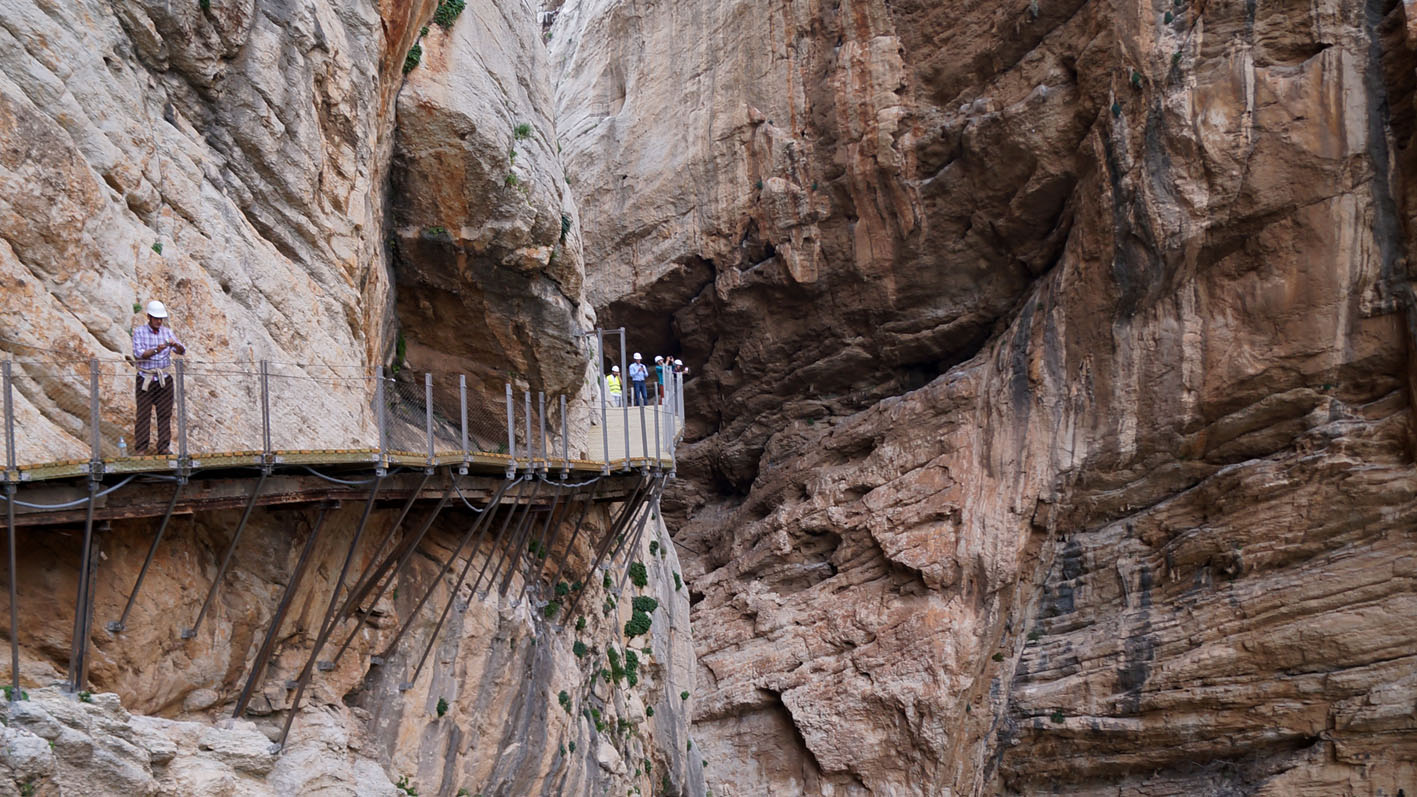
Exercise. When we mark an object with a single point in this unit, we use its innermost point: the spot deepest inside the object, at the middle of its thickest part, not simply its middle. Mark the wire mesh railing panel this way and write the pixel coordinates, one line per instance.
(224, 412)
(449, 395)
(52, 407)
(320, 408)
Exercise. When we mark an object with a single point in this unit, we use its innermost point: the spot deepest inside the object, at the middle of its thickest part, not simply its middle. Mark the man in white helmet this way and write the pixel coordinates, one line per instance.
(638, 374)
(613, 387)
(153, 344)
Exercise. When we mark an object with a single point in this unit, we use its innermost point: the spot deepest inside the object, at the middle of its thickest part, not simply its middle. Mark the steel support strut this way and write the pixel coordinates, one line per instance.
(78, 649)
(518, 545)
(14, 612)
(540, 555)
(443, 571)
(575, 534)
(263, 655)
(453, 594)
(604, 546)
(327, 625)
(501, 533)
(188, 633)
(122, 622)
(411, 549)
(651, 508)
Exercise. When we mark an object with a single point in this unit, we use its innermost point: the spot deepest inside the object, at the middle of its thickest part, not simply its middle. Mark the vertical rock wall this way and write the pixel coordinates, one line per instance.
(1053, 366)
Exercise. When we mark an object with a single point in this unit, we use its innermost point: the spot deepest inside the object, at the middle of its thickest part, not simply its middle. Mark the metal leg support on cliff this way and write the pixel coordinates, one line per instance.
(481, 521)
(538, 556)
(373, 571)
(604, 546)
(14, 612)
(651, 508)
(410, 549)
(263, 655)
(443, 571)
(327, 625)
(188, 633)
(122, 622)
(509, 550)
(501, 533)
(79, 645)
(575, 533)
(518, 547)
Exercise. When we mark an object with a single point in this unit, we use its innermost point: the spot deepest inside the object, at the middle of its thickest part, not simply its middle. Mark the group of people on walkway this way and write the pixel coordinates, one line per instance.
(639, 393)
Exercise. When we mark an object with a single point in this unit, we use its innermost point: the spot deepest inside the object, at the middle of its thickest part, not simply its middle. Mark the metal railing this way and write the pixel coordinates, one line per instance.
(65, 417)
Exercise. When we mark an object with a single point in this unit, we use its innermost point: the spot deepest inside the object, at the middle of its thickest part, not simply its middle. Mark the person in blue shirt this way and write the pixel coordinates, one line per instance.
(638, 374)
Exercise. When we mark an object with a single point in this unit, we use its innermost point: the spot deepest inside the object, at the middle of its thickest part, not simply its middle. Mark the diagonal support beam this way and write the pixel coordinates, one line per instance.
(263, 655)
(651, 508)
(604, 546)
(79, 642)
(575, 534)
(188, 633)
(501, 533)
(452, 597)
(122, 622)
(443, 571)
(375, 570)
(516, 549)
(14, 611)
(410, 549)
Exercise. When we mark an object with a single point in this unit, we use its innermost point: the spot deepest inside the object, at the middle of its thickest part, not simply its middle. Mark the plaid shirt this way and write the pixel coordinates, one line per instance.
(145, 338)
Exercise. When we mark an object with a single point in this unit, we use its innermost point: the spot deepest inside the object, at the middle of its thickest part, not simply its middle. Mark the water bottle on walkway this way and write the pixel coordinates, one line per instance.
(122, 447)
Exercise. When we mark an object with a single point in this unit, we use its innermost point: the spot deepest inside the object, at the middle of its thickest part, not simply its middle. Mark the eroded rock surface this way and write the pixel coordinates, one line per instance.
(1053, 371)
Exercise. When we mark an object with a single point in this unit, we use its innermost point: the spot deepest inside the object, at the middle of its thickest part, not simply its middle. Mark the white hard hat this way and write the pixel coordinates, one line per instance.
(156, 310)
(658, 359)
(614, 369)
(678, 362)
(637, 356)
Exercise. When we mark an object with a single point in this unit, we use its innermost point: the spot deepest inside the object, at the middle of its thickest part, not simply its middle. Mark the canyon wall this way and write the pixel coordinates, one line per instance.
(1052, 368)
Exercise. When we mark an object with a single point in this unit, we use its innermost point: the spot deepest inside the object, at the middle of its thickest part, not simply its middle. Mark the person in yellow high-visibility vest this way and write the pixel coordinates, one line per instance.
(613, 387)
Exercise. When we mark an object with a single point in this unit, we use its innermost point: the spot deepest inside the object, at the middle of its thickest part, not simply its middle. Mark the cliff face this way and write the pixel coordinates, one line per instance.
(280, 176)
(1052, 381)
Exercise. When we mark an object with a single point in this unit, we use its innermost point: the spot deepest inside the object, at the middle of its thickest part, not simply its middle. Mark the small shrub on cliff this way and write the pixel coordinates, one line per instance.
(551, 609)
(157, 246)
(10, 694)
(638, 624)
(684, 695)
(678, 582)
(415, 55)
(579, 649)
(447, 13)
(565, 223)
(571, 746)
(511, 181)
(580, 623)
(997, 657)
(1116, 109)
(423, 31)
(565, 700)
(205, 5)
(86, 696)
(638, 576)
(1034, 635)
(405, 786)
(653, 547)
(442, 706)
(562, 589)
(649, 712)
(605, 582)
(644, 603)
(522, 131)
(1057, 715)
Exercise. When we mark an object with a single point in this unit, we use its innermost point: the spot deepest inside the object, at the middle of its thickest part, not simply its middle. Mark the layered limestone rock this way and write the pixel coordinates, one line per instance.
(1052, 382)
(486, 244)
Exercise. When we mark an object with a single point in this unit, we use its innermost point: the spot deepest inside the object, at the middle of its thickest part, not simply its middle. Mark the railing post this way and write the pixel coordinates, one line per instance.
(604, 413)
(658, 408)
(380, 407)
(541, 417)
(565, 441)
(625, 395)
(10, 473)
(428, 411)
(511, 435)
(265, 415)
(462, 406)
(526, 426)
(95, 440)
(183, 462)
